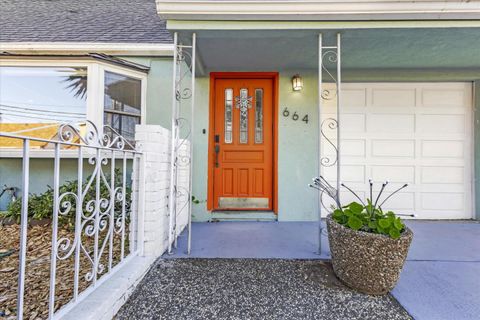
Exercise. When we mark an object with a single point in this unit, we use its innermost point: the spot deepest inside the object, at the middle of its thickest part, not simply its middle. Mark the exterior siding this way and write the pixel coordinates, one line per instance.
(476, 113)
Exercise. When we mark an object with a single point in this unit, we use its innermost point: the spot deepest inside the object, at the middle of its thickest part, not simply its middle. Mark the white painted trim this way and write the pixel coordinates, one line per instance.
(315, 10)
(317, 25)
(125, 49)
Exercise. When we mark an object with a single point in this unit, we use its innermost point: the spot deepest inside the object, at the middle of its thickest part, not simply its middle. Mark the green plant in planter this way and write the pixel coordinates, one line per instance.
(356, 216)
(361, 216)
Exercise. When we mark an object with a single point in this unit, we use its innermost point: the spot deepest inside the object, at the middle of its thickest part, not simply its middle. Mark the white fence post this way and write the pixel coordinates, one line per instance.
(154, 142)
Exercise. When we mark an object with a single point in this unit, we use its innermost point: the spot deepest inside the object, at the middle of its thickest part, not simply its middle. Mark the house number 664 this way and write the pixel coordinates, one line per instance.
(295, 116)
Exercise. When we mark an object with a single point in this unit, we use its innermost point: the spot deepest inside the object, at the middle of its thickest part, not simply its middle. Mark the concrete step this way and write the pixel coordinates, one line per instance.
(243, 216)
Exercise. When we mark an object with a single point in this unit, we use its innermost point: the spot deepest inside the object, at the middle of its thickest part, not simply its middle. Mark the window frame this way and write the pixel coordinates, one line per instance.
(95, 94)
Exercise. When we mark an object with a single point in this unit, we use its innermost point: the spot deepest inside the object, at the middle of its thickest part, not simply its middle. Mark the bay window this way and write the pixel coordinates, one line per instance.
(37, 96)
(122, 103)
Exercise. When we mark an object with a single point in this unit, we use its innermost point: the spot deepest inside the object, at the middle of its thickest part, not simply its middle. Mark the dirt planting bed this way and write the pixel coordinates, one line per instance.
(37, 278)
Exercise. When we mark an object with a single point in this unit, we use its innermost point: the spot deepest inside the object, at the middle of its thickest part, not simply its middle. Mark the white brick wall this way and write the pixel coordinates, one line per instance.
(154, 142)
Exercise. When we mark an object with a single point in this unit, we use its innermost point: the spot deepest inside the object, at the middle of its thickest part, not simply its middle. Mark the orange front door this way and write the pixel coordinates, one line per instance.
(243, 144)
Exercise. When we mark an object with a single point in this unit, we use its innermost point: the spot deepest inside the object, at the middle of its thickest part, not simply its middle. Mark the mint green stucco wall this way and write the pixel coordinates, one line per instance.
(159, 89)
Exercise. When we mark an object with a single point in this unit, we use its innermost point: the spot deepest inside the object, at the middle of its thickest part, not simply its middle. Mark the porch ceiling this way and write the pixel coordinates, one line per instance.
(270, 50)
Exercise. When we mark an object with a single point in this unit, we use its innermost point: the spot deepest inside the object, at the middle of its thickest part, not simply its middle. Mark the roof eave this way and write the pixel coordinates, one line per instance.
(116, 49)
(317, 10)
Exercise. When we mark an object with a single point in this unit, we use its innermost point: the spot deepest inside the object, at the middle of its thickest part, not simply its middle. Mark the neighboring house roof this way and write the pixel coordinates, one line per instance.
(107, 21)
(47, 131)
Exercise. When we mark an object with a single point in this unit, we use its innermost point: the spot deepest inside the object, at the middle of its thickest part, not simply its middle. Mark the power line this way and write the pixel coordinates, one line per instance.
(42, 114)
(53, 118)
(24, 108)
(38, 104)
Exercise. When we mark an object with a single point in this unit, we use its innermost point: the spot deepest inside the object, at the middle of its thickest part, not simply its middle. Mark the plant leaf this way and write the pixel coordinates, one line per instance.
(356, 207)
(384, 223)
(354, 223)
(394, 233)
(372, 225)
(398, 224)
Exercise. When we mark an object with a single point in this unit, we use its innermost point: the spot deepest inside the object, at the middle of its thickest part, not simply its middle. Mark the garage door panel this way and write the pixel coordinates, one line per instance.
(441, 124)
(443, 149)
(442, 201)
(393, 97)
(401, 174)
(350, 147)
(400, 123)
(354, 98)
(401, 202)
(415, 133)
(351, 123)
(439, 174)
(393, 148)
(350, 173)
(444, 98)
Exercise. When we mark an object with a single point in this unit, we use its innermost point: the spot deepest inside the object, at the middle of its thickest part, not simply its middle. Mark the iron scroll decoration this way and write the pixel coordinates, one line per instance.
(109, 138)
(181, 134)
(97, 215)
(331, 124)
(185, 57)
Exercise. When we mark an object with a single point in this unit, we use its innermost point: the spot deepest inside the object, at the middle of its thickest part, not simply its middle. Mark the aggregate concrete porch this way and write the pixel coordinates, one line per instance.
(251, 289)
(440, 279)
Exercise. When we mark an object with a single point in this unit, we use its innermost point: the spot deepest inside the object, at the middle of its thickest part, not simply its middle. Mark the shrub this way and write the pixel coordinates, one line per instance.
(40, 206)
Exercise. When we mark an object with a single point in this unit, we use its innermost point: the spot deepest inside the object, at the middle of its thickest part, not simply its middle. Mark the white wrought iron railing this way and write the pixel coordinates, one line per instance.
(102, 208)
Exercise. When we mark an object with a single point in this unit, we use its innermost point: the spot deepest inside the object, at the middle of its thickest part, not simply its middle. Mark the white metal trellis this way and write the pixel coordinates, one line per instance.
(98, 215)
(183, 65)
(328, 56)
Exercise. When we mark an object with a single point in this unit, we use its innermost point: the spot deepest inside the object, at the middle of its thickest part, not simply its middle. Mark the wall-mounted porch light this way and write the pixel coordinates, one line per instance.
(297, 83)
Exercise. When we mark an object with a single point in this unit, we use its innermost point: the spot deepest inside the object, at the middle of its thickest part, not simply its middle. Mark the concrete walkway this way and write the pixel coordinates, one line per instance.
(441, 279)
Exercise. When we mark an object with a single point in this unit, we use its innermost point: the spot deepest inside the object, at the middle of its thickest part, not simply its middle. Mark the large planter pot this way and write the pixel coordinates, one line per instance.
(368, 262)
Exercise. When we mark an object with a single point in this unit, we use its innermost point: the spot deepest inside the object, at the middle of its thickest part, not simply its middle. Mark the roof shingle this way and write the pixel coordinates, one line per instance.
(111, 21)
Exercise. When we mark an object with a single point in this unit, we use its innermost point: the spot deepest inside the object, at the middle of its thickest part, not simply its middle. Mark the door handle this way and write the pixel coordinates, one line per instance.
(217, 151)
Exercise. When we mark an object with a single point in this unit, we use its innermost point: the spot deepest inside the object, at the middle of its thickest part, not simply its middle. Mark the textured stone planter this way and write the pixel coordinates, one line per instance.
(370, 263)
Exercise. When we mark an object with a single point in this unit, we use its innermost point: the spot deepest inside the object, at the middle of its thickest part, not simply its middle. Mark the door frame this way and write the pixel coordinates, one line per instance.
(211, 132)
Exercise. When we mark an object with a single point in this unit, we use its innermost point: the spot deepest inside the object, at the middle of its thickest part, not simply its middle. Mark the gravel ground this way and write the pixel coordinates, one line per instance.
(251, 289)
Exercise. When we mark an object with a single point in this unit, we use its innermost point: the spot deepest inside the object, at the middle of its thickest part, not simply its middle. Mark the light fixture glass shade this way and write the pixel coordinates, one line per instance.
(297, 83)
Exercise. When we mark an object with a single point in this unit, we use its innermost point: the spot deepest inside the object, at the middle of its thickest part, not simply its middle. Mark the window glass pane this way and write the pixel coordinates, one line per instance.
(258, 115)
(122, 93)
(34, 100)
(228, 115)
(243, 105)
(122, 104)
(124, 125)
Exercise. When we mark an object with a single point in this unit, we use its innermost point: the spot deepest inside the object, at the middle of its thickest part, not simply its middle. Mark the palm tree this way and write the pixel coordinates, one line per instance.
(77, 81)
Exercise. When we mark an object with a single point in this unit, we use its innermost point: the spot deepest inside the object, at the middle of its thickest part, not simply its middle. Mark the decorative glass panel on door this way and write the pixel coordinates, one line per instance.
(258, 115)
(244, 102)
(228, 115)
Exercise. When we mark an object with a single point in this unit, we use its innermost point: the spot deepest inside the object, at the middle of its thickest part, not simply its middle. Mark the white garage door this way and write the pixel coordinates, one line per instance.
(415, 133)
